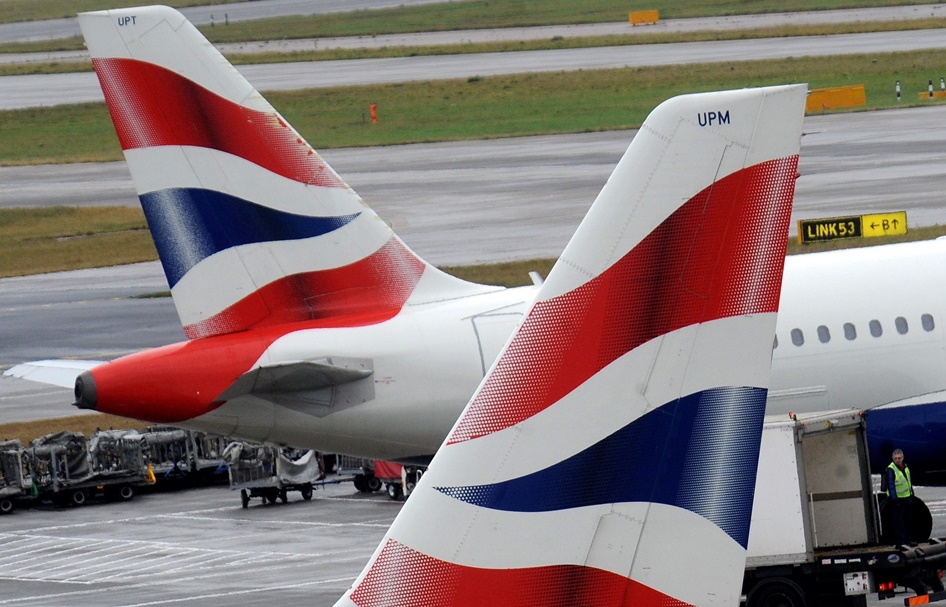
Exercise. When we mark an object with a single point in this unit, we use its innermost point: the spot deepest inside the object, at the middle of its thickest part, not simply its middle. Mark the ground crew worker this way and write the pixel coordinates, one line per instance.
(900, 495)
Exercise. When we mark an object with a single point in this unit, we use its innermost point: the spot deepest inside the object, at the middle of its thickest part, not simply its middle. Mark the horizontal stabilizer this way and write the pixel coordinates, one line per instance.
(299, 376)
(61, 373)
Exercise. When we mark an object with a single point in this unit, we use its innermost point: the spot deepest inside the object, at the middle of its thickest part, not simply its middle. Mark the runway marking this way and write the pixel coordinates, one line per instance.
(44, 599)
(33, 394)
(85, 561)
(362, 500)
(217, 595)
(383, 525)
(61, 595)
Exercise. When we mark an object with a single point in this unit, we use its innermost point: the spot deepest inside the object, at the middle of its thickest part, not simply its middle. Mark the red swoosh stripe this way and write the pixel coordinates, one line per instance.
(153, 106)
(375, 287)
(403, 577)
(689, 270)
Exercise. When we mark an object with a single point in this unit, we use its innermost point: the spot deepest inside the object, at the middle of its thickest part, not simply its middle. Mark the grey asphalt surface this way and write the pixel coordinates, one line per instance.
(56, 89)
(194, 547)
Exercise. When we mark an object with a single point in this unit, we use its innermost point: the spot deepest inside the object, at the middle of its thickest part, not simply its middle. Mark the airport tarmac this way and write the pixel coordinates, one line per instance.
(191, 547)
(200, 547)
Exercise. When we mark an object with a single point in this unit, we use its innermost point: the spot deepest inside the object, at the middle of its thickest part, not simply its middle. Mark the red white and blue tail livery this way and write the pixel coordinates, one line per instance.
(620, 427)
(253, 228)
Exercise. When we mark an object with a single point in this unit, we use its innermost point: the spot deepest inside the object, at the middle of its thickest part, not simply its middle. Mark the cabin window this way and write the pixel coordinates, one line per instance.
(850, 332)
(901, 324)
(824, 336)
(875, 329)
(798, 338)
(927, 321)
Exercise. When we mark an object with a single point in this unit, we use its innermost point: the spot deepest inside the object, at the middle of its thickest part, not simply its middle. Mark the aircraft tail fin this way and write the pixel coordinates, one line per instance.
(609, 456)
(252, 227)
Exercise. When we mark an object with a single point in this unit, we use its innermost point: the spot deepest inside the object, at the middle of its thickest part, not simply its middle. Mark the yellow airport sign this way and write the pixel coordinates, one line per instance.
(830, 228)
(884, 224)
(855, 226)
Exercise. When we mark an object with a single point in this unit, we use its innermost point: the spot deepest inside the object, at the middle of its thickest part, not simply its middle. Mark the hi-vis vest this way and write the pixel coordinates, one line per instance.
(902, 483)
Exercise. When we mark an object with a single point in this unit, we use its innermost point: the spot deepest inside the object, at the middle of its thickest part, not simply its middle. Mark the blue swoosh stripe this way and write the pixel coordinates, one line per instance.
(191, 224)
(699, 453)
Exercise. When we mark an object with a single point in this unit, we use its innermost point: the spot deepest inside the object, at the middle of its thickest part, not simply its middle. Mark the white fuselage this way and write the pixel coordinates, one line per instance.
(429, 359)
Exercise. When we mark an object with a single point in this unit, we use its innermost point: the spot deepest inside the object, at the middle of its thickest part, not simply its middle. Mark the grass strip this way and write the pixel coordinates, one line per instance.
(54, 239)
(489, 107)
(554, 43)
(86, 424)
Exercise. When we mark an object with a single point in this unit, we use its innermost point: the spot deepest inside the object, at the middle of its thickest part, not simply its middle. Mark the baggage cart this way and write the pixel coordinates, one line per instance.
(15, 478)
(270, 472)
(67, 470)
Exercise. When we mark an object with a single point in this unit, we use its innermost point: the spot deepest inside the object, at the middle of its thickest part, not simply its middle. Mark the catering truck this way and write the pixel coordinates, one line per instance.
(816, 537)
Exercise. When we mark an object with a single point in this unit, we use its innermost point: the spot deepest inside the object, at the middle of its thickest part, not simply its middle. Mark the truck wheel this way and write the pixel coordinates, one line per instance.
(307, 491)
(6, 506)
(394, 491)
(126, 492)
(283, 495)
(373, 484)
(271, 496)
(777, 592)
(77, 497)
(361, 483)
(244, 498)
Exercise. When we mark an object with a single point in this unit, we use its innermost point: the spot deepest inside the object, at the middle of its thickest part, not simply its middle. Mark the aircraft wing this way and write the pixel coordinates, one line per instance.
(60, 373)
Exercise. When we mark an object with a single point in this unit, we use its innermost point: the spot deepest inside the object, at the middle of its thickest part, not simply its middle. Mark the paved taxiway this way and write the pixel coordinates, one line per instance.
(56, 89)
(194, 547)
(199, 547)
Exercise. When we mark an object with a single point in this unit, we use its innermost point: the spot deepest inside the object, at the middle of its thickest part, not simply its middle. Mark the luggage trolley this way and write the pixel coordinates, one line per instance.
(15, 476)
(270, 472)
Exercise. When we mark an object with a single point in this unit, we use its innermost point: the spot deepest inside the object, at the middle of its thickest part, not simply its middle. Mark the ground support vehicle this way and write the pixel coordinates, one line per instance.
(15, 477)
(361, 470)
(398, 480)
(815, 538)
(270, 472)
(67, 470)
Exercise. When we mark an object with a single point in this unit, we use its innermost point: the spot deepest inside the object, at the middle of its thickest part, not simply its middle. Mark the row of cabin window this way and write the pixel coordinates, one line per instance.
(850, 331)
